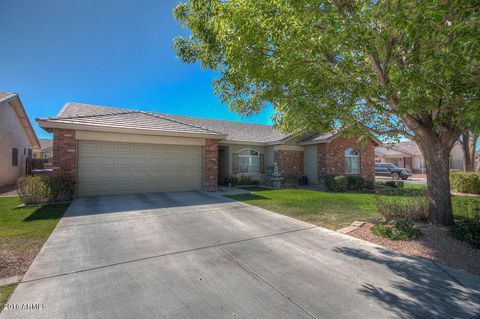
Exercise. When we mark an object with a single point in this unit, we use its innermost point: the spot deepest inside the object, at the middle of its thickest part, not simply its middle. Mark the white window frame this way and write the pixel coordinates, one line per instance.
(351, 157)
(251, 157)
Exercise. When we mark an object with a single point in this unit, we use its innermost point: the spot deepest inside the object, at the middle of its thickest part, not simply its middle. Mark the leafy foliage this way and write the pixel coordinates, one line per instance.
(409, 205)
(396, 230)
(468, 231)
(336, 183)
(469, 207)
(355, 182)
(465, 182)
(43, 189)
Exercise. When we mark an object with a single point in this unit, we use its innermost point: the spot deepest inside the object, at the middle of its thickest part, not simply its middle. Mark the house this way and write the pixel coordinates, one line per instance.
(17, 138)
(46, 149)
(106, 150)
(407, 154)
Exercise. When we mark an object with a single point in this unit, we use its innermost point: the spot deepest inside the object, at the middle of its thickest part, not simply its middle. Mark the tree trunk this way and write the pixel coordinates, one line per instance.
(436, 157)
(468, 160)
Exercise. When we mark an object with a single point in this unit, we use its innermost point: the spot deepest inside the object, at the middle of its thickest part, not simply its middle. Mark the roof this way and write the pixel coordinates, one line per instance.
(46, 143)
(14, 100)
(409, 147)
(388, 152)
(103, 116)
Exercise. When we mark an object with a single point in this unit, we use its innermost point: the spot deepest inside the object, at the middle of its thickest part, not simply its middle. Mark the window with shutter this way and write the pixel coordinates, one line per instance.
(235, 163)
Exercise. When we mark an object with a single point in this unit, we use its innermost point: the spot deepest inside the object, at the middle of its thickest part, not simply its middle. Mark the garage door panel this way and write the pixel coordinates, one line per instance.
(107, 168)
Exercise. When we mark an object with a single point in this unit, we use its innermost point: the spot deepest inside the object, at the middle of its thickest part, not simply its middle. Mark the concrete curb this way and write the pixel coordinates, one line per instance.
(355, 225)
(10, 280)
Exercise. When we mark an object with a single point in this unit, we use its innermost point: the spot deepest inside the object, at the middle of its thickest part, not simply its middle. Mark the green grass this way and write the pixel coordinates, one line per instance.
(21, 230)
(329, 210)
(5, 292)
(34, 222)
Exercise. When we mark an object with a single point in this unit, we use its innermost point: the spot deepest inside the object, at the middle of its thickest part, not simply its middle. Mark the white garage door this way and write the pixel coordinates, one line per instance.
(110, 168)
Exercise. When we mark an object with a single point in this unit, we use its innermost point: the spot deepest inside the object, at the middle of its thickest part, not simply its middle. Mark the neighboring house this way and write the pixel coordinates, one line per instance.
(17, 138)
(46, 149)
(407, 154)
(108, 150)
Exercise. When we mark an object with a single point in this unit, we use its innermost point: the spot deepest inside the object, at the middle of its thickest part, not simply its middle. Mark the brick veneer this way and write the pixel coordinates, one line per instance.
(331, 157)
(290, 163)
(211, 165)
(64, 154)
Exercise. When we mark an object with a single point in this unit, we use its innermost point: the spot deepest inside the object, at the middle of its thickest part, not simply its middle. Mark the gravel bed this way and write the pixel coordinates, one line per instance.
(435, 244)
(16, 255)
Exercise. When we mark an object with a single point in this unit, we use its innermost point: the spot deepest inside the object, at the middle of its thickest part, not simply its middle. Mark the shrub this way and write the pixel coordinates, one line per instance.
(355, 183)
(329, 181)
(465, 182)
(395, 184)
(369, 184)
(411, 206)
(33, 189)
(469, 207)
(233, 180)
(396, 230)
(44, 189)
(337, 184)
(244, 180)
(468, 231)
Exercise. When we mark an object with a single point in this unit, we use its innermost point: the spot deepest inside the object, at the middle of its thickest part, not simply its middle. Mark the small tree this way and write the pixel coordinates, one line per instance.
(395, 68)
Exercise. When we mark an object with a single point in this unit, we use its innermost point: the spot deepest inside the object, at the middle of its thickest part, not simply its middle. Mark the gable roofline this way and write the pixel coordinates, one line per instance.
(14, 100)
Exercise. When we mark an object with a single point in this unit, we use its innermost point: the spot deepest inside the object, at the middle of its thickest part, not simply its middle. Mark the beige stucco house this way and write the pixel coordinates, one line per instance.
(17, 138)
(407, 154)
(104, 150)
(46, 149)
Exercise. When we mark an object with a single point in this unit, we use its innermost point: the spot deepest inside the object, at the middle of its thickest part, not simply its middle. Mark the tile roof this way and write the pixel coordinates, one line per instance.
(5, 96)
(76, 113)
(409, 147)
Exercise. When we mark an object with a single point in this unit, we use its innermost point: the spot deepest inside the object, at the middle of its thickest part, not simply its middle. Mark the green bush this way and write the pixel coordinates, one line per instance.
(244, 180)
(369, 184)
(394, 184)
(355, 183)
(402, 204)
(465, 182)
(396, 230)
(469, 207)
(233, 180)
(33, 189)
(38, 189)
(338, 184)
(468, 231)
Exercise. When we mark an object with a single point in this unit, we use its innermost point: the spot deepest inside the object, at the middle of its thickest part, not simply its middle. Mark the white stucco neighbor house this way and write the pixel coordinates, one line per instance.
(18, 141)
(407, 154)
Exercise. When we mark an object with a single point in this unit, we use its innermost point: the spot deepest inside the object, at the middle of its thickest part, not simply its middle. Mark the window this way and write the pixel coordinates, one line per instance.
(248, 161)
(29, 153)
(352, 161)
(14, 156)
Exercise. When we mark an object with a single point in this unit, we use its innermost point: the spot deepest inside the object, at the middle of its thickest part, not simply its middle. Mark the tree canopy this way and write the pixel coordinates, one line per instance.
(406, 68)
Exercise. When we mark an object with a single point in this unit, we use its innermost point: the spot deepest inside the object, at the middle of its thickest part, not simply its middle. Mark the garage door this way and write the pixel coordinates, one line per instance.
(111, 168)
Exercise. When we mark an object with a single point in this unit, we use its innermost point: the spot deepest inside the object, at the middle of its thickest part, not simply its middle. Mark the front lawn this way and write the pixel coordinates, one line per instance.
(329, 210)
(23, 232)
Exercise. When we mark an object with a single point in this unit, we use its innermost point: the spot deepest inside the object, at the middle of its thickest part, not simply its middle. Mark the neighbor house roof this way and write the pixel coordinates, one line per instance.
(401, 149)
(14, 100)
(103, 116)
(409, 147)
(46, 143)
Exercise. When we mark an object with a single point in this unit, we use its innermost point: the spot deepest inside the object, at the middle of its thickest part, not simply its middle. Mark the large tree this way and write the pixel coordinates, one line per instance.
(406, 68)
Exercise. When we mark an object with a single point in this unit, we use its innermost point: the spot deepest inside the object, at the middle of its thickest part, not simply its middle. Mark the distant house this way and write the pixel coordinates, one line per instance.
(407, 154)
(17, 138)
(46, 149)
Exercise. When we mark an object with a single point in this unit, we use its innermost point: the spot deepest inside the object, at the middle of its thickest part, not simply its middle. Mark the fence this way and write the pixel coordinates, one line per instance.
(34, 165)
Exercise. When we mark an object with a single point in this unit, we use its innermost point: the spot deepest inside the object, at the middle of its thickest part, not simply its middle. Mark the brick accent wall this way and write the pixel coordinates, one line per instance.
(290, 165)
(211, 165)
(331, 157)
(64, 154)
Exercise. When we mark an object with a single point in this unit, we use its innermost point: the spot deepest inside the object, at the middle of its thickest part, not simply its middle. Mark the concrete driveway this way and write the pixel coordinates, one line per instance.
(199, 255)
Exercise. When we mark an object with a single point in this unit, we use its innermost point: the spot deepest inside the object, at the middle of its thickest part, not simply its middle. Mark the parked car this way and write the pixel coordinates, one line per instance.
(389, 169)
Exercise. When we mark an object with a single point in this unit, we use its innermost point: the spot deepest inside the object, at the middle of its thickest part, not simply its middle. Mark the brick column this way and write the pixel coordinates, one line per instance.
(211, 165)
(290, 165)
(64, 154)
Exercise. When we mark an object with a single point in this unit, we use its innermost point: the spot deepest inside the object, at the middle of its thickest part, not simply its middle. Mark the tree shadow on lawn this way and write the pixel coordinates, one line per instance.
(44, 212)
(424, 289)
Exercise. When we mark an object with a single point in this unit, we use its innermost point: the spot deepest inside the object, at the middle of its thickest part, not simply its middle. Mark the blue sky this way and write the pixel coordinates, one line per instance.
(116, 53)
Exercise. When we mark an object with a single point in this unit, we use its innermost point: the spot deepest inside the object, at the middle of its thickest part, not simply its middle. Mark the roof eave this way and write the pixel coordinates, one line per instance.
(23, 118)
(48, 125)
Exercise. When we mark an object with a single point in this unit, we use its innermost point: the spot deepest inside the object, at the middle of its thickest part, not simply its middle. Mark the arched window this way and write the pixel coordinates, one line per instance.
(248, 161)
(352, 161)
